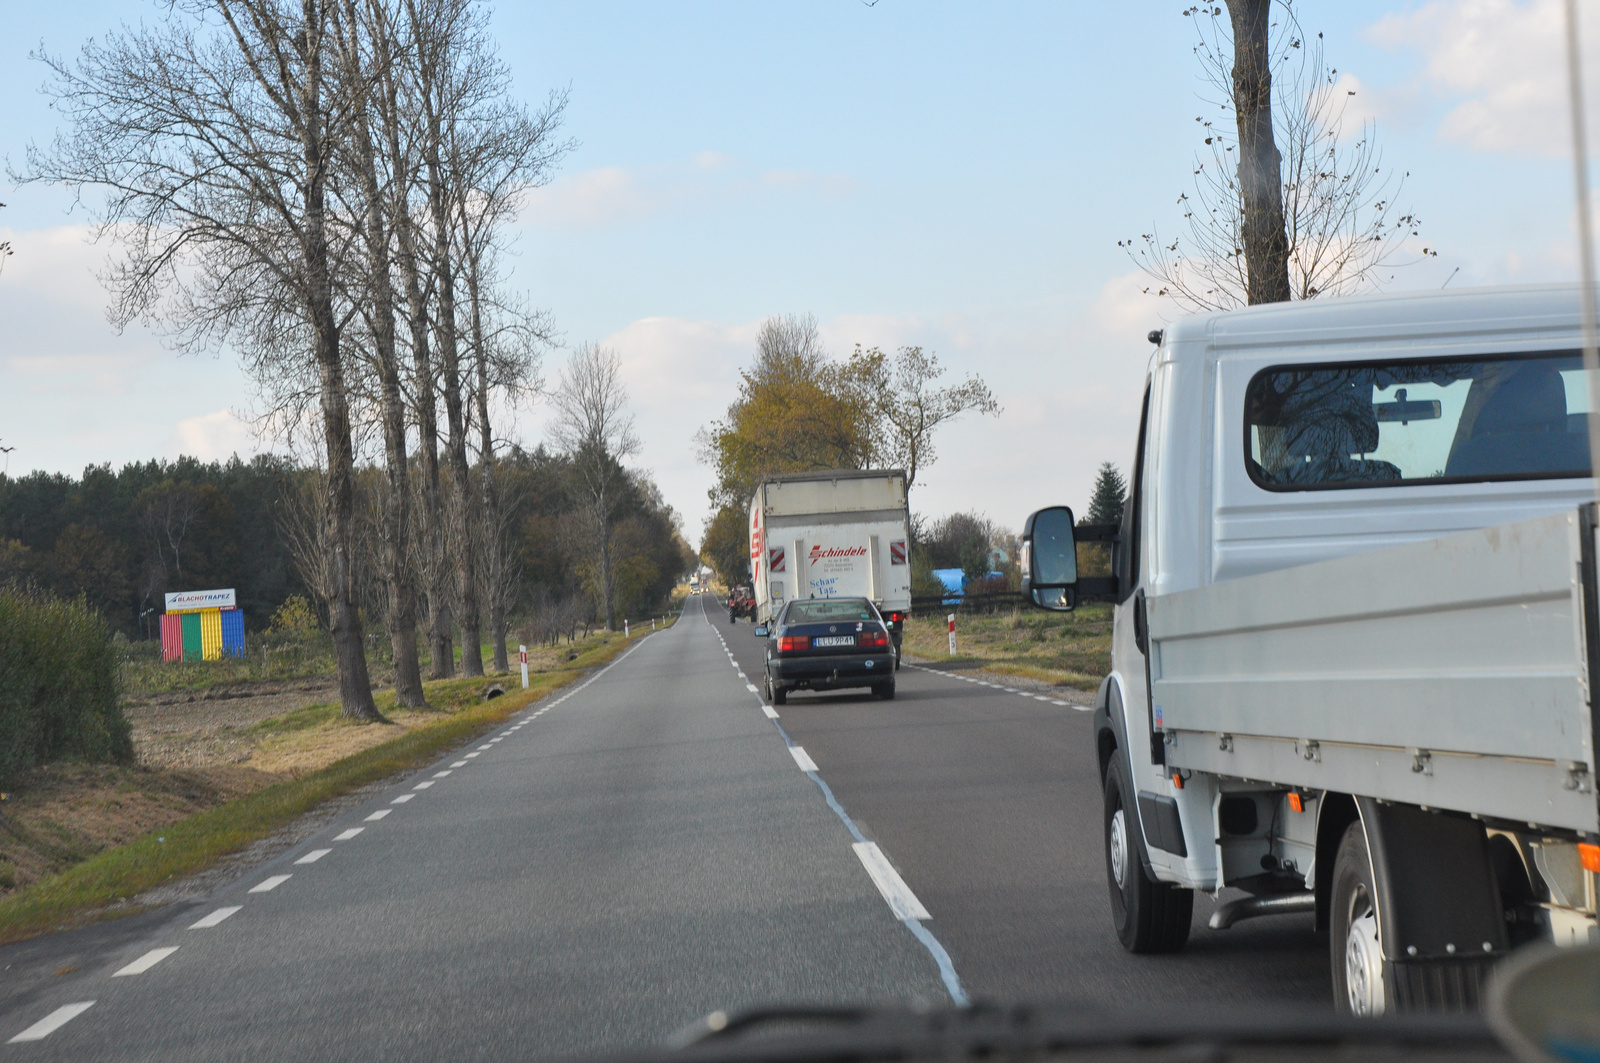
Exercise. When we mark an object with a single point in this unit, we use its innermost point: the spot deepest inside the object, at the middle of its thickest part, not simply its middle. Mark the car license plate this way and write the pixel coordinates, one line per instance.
(834, 640)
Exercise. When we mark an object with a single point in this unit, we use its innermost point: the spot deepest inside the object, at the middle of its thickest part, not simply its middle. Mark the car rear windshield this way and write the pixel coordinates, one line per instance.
(1376, 424)
(829, 610)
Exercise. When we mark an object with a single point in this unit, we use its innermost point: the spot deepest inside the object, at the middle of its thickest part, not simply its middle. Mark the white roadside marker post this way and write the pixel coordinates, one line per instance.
(625, 629)
(522, 658)
(951, 619)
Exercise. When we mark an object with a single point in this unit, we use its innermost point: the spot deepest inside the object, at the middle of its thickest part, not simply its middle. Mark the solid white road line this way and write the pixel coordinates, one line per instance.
(270, 884)
(901, 900)
(772, 713)
(215, 917)
(402, 799)
(145, 962)
(378, 815)
(802, 759)
(52, 1022)
(313, 856)
(344, 836)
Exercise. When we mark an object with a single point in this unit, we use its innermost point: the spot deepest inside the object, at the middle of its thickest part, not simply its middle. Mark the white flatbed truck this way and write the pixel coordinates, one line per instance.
(1355, 643)
(836, 533)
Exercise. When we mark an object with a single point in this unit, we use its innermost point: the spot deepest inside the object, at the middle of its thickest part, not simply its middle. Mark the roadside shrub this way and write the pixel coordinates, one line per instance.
(58, 684)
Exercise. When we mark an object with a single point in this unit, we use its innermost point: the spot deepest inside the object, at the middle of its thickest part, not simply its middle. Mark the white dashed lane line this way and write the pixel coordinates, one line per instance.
(423, 785)
(459, 764)
(441, 774)
(145, 962)
(771, 713)
(344, 836)
(802, 758)
(52, 1022)
(475, 754)
(901, 900)
(270, 884)
(313, 856)
(378, 815)
(215, 917)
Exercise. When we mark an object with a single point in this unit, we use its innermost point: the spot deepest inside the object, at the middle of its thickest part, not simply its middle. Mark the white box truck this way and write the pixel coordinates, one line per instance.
(1357, 633)
(832, 534)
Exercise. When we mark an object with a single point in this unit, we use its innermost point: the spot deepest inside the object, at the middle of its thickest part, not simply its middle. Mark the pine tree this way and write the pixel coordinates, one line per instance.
(1110, 491)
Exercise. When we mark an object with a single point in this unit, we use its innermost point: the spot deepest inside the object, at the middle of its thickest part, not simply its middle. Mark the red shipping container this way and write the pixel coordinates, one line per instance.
(172, 636)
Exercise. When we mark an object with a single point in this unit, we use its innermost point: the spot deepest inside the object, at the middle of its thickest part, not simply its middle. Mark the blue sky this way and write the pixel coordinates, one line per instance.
(952, 175)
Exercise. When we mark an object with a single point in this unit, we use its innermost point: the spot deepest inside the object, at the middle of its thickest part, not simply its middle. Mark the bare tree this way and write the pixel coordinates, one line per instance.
(908, 409)
(593, 425)
(364, 44)
(1284, 205)
(212, 137)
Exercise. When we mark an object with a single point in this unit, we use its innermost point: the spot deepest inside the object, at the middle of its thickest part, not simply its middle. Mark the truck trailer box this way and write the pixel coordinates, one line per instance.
(832, 534)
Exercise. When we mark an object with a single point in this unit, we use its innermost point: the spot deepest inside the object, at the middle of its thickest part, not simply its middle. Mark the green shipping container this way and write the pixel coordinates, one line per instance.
(193, 648)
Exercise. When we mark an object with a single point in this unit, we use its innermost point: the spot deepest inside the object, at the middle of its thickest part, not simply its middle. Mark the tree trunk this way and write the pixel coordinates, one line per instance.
(440, 652)
(456, 445)
(397, 511)
(491, 497)
(355, 687)
(1266, 245)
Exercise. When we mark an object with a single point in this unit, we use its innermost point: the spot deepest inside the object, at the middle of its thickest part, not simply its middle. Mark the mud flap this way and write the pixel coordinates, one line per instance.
(1439, 910)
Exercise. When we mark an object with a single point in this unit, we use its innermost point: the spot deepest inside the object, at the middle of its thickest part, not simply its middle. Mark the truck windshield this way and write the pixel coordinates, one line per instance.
(823, 610)
(1374, 424)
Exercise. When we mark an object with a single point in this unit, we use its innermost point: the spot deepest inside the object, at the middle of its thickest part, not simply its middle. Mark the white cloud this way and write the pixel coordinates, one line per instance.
(593, 197)
(216, 436)
(832, 185)
(1499, 67)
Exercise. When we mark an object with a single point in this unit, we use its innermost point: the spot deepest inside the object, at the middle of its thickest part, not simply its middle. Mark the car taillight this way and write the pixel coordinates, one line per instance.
(873, 640)
(792, 643)
(895, 618)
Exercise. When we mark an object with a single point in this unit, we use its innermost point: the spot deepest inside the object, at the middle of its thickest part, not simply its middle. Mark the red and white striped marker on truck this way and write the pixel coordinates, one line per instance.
(522, 656)
(952, 620)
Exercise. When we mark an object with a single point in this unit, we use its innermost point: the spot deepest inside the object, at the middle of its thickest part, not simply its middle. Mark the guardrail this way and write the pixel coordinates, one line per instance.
(986, 603)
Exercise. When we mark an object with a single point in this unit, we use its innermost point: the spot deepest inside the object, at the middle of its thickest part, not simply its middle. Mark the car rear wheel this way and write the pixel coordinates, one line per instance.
(1361, 976)
(778, 695)
(884, 690)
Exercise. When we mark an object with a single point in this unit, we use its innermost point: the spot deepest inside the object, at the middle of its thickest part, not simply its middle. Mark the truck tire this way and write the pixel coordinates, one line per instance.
(1363, 981)
(1148, 915)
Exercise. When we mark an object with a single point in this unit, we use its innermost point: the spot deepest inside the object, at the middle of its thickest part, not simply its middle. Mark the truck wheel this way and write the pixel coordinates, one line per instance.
(1149, 916)
(1362, 978)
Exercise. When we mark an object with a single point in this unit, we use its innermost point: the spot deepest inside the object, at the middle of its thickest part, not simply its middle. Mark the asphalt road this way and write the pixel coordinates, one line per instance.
(635, 852)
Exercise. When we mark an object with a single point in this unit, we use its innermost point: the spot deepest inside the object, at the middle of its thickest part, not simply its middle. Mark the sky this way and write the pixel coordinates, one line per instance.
(954, 176)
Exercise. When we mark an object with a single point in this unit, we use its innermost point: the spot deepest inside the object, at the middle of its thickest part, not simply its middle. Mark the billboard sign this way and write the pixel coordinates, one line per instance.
(187, 601)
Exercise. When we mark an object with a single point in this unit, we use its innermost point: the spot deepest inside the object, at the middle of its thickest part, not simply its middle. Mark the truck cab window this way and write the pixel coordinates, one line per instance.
(1425, 421)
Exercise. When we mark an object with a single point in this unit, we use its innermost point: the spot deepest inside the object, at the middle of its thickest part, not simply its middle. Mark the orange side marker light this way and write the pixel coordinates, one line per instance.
(1295, 803)
(1589, 856)
(1177, 780)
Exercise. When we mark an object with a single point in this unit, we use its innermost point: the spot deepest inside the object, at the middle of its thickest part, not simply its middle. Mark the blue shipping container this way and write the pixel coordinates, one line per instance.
(233, 632)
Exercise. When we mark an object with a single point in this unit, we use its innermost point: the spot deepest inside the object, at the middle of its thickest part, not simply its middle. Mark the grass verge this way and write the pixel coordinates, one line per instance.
(1070, 650)
(82, 892)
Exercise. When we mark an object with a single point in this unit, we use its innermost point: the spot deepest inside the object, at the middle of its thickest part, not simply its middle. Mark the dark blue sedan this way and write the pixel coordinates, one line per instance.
(829, 644)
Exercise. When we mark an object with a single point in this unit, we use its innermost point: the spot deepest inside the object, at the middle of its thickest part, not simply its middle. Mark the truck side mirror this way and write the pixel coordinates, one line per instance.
(1050, 559)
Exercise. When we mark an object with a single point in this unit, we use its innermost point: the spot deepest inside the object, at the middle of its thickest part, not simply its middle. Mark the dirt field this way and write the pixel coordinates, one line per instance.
(193, 750)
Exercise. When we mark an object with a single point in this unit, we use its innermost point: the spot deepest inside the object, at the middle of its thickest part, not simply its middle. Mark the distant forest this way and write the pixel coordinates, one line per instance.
(122, 539)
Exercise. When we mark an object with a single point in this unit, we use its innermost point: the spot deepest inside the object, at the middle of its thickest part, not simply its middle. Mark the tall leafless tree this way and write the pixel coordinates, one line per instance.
(212, 137)
(364, 47)
(593, 425)
(1285, 205)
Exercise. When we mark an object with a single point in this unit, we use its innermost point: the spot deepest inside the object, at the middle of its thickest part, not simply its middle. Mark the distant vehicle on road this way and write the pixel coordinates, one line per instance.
(741, 602)
(1357, 635)
(834, 534)
(829, 644)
